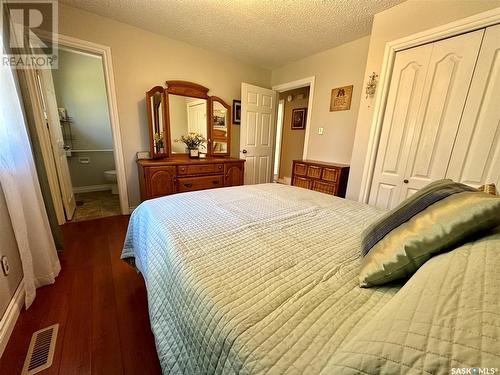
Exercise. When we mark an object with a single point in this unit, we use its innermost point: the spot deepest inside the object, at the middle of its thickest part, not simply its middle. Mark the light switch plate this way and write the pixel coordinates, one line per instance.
(5, 265)
(321, 131)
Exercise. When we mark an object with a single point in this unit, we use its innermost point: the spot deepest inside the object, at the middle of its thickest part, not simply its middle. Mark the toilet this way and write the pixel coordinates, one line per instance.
(110, 176)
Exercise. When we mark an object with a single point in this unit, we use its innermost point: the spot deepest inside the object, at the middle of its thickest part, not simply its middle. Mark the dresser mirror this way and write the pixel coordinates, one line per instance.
(220, 130)
(186, 115)
(184, 107)
(155, 101)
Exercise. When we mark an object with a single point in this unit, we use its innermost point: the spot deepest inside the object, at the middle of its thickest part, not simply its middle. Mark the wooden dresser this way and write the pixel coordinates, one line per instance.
(329, 178)
(176, 175)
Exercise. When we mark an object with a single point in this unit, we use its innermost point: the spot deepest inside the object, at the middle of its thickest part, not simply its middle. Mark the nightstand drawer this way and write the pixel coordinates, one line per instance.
(200, 169)
(199, 183)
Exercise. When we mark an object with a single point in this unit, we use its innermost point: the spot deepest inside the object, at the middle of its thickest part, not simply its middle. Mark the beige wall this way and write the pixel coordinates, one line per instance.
(292, 141)
(402, 20)
(8, 248)
(340, 66)
(142, 60)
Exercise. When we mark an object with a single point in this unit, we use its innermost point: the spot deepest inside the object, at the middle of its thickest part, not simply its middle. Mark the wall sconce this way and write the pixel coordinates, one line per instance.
(371, 85)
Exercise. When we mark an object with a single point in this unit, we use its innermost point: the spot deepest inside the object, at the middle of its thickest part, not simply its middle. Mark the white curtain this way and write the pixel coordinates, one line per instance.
(22, 192)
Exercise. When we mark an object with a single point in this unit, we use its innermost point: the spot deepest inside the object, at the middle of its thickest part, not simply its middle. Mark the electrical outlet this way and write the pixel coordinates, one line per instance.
(5, 265)
(321, 131)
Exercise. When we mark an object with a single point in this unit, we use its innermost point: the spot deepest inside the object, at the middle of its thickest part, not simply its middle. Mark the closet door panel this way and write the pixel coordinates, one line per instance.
(476, 156)
(403, 101)
(448, 79)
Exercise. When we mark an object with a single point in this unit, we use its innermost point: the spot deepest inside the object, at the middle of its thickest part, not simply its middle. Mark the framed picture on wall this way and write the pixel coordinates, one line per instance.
(236, 112)
(299, 118)
(341, 98)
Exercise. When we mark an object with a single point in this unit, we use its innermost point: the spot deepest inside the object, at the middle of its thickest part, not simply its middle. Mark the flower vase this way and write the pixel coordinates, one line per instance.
(194, 153)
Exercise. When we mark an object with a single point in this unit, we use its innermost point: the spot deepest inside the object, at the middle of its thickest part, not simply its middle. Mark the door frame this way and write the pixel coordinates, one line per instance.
(278, 142)
(304, 82)
(464, 25)
(105, 53)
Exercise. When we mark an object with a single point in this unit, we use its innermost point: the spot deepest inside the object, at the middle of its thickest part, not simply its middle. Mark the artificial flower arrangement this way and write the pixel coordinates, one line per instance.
(192, 142)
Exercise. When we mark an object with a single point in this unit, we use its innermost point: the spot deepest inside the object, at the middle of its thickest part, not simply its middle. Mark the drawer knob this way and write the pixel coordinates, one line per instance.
(215, 182)
(188, 185)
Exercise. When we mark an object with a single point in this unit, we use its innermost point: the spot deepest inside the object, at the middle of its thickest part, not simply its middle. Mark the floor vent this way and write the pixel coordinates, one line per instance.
(41, 350)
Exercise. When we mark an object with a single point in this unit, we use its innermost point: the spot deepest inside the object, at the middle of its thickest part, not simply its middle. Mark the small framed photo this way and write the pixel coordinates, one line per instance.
(299, 118)
(236, 112)
(341, 98)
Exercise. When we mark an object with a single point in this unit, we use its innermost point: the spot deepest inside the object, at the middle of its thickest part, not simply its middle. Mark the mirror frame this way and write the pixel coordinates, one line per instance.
(166, 131)
(214, 99)
(189, 89)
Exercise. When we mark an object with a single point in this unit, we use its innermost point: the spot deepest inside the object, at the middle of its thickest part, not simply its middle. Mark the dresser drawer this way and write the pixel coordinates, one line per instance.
(314, 171)
(199, 183)
(324, 187)
(200, 169)
(330, 174)
(301, 182)
(300, 169)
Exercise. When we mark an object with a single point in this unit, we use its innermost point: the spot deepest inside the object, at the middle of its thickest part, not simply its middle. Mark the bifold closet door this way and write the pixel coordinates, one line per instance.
(405, 93)
(448, 80)
(422, 116)
(476, 156)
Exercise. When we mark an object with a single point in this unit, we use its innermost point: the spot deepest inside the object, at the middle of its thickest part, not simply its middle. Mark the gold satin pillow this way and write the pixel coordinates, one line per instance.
(439, 227)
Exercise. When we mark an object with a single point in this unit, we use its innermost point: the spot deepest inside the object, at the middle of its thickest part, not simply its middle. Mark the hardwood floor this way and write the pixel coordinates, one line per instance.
(99, 302)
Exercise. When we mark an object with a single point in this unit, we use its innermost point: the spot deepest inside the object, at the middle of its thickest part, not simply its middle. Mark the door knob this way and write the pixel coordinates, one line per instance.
(244, 151)
(405, 181)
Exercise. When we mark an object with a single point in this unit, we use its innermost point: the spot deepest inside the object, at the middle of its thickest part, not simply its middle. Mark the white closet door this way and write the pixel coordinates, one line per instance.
(429, 86)
(405, 93)
(446, 87)
(476, 156)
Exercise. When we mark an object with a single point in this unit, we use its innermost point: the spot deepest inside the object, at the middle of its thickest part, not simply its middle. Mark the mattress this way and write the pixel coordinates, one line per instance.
(252, 279)
(263, 279)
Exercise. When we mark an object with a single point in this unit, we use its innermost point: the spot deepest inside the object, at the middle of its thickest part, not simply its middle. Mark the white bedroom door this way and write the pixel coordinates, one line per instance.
(476, 156)
(197, 116)
(257, 132)
(48, 97)
(429, 86)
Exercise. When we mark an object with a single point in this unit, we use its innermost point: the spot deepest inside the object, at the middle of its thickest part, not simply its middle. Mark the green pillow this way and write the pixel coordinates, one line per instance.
(439, 227)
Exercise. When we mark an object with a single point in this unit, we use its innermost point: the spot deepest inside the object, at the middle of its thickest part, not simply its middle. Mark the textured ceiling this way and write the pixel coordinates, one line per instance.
(266, 33)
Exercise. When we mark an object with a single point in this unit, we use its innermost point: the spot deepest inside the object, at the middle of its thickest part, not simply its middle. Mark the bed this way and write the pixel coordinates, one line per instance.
(263, 279)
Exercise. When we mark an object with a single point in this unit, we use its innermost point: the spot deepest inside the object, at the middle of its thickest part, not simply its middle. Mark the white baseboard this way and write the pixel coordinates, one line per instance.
(9, 319)
(91, 188)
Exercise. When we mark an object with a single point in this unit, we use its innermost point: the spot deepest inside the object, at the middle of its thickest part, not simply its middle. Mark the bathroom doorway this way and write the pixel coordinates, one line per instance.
(82, 105)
